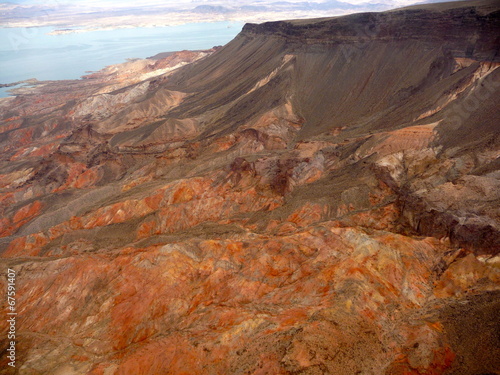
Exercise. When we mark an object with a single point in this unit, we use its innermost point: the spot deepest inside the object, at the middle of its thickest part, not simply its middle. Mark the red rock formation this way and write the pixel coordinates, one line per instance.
(256, 212)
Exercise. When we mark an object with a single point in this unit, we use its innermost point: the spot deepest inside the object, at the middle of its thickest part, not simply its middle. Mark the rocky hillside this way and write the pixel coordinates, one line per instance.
(315, 197)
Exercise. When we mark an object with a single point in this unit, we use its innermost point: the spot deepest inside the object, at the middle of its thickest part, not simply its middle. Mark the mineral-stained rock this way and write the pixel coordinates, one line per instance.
(315, 197)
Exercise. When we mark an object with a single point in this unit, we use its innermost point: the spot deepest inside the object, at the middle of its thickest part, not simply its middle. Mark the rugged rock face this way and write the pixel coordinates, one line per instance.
(315, 197)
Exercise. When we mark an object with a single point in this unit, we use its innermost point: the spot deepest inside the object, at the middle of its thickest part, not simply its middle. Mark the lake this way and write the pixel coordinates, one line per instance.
(32, 53)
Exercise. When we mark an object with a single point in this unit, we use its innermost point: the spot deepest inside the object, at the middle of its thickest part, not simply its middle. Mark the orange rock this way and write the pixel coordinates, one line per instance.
(464, 274)
(154, 201)
(79, 177)
(146, 229)
(307, 214)
(264, 219)
(26, 246)
(27, 212)
(85, 179)
(182, 194)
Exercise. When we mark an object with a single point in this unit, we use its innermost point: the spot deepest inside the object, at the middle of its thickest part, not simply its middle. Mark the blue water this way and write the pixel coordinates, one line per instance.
(32, 53)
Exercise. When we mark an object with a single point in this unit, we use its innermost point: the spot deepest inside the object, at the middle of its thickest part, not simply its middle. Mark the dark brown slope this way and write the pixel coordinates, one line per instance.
(365, 74)
(316, 197)
(388, 58)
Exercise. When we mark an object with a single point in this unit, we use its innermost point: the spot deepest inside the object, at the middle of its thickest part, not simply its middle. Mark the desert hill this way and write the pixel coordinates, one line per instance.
(315, 197)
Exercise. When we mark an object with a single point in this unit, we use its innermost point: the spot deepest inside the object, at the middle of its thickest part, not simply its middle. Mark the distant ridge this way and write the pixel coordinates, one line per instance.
(315, 197)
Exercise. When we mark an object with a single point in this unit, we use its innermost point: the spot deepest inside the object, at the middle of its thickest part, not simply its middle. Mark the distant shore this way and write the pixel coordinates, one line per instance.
(31, 81)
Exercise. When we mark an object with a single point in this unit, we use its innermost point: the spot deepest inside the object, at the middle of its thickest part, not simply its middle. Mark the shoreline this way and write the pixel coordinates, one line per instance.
(71, 57)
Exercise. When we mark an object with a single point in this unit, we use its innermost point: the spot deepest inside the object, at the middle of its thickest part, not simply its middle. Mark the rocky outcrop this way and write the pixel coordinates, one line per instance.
(466, 29)
(315, 197)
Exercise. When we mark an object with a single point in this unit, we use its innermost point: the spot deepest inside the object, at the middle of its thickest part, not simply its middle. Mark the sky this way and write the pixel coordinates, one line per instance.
(84, 15)
(124, 3)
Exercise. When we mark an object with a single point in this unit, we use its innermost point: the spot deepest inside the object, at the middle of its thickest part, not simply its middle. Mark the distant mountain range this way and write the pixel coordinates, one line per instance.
(316, 197)
(85, 15)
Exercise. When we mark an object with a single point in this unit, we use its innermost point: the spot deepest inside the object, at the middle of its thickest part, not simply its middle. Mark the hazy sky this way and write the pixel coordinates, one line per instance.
(174, 3)
(91, 14)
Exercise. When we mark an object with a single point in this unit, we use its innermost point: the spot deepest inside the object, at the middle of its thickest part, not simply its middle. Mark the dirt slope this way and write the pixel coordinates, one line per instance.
(315, 197)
